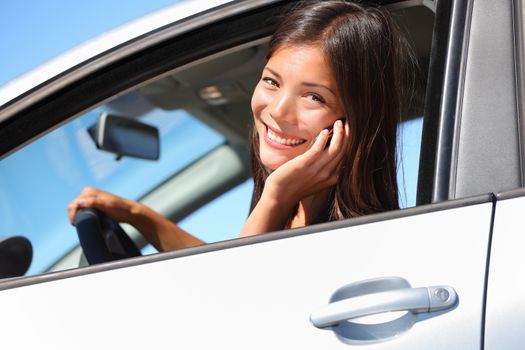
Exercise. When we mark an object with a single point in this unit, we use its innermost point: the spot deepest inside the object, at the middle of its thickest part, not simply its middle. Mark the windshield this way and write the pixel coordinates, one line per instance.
(38, 182)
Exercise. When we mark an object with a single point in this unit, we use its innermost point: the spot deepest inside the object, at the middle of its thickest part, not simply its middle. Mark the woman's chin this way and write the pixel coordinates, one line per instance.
(272, 158)
(273, 163)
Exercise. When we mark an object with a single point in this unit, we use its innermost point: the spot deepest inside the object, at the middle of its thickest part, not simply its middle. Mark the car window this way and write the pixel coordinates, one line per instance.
(409, 145)
(220, 219)
(201, 109)
(37, 182)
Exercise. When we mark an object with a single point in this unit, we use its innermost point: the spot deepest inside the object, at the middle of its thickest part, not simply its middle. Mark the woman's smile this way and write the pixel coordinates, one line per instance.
(280, 140)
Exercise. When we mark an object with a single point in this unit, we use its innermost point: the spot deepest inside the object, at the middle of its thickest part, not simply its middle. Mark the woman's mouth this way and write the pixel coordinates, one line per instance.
(280, 140)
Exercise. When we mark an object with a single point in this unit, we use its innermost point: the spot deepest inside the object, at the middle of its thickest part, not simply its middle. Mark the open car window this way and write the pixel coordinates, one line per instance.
(202, 111)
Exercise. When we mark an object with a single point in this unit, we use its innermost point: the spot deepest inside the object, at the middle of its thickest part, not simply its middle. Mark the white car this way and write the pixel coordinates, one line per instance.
(444, 273)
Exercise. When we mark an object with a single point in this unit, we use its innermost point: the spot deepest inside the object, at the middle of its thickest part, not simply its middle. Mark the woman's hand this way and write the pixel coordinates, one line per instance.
(158, 230)
(310, 172)
(115, 207)
(301, 177)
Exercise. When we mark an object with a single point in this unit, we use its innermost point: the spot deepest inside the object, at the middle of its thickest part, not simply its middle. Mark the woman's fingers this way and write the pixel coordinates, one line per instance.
(327, 148)
(320, 143)
(338, 137)
(318, 167)
(332, 145)
(71, 211)
(89, 197)
(82, 201)
(335, 152)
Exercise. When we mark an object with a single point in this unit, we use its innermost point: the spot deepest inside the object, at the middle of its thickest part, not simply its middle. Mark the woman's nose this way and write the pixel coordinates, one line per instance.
(281, 106)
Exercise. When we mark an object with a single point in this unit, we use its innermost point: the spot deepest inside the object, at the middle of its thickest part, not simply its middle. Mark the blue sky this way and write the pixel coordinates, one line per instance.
(34, 31)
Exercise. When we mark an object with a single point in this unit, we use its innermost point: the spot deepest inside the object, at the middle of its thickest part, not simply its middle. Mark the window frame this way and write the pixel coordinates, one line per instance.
(120, 76)
(471, 132)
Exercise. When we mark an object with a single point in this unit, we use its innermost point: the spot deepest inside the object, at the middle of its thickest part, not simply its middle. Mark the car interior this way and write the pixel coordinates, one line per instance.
(217, 90)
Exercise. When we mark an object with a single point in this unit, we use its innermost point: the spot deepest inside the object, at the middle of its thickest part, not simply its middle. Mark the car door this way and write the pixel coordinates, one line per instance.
(505, 315)
(421, 270)
(262, 292)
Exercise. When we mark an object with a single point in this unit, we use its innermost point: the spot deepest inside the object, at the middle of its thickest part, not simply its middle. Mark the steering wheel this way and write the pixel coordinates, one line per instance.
(101, 238)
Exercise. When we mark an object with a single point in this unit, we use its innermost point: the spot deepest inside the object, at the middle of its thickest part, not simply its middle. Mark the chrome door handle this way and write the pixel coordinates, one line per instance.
(416, 300)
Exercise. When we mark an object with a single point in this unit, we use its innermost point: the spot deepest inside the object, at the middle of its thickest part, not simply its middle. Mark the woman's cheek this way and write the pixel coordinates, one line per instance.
(313, 122)
(260, 100)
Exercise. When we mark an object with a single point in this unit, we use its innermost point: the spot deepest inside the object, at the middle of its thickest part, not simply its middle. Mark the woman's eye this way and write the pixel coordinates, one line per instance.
(270, 81)
(316, 98)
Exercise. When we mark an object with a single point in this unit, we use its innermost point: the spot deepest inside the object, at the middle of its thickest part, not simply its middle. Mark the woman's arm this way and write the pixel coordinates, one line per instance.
(162, 233)
(268, 215)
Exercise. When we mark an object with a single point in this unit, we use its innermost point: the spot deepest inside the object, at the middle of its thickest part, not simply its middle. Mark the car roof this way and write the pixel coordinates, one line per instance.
(103, 43)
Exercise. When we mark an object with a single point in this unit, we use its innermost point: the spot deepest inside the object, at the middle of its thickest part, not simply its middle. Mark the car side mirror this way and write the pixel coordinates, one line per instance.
(125, 136)
(16, 253)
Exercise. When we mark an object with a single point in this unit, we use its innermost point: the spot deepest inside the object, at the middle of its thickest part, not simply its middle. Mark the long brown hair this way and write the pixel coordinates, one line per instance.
(366, 53)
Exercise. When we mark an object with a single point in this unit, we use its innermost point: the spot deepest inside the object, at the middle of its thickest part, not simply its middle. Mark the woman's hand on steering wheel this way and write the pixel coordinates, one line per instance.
(115, 207)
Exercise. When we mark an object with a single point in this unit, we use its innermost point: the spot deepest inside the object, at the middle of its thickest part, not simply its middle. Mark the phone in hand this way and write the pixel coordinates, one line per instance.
(330, 133)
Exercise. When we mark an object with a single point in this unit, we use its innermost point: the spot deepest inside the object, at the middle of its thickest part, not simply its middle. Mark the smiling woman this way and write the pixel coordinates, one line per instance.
(330, 61)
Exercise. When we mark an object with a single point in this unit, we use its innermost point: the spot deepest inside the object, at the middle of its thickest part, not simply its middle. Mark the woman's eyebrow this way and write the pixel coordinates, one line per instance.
(273, 72)
(318, 85)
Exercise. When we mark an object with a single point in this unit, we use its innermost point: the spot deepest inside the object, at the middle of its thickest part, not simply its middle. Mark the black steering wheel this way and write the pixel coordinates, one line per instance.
(101, 238)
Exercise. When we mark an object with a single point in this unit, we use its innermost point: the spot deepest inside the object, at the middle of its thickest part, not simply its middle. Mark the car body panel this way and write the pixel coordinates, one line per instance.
(261, 295)
(505, 316)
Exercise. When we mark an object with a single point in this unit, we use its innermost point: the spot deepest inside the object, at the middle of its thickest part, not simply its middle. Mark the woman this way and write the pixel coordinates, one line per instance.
(325, 116)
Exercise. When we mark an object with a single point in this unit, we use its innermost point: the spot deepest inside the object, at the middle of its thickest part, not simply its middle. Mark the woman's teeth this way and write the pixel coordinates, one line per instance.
(283, 141)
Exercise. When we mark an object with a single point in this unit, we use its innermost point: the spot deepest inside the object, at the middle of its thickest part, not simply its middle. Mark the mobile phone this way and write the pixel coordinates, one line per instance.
(331, 132)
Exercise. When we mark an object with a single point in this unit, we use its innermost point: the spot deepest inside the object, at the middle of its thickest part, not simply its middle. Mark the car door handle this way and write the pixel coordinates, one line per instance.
(416, 300)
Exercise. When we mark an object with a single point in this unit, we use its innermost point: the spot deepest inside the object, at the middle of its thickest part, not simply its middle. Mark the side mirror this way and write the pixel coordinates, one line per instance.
(16, 253)
(125, 137)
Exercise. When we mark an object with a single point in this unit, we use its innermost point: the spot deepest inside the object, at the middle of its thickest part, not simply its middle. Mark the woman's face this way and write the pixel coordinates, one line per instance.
(293, 102)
